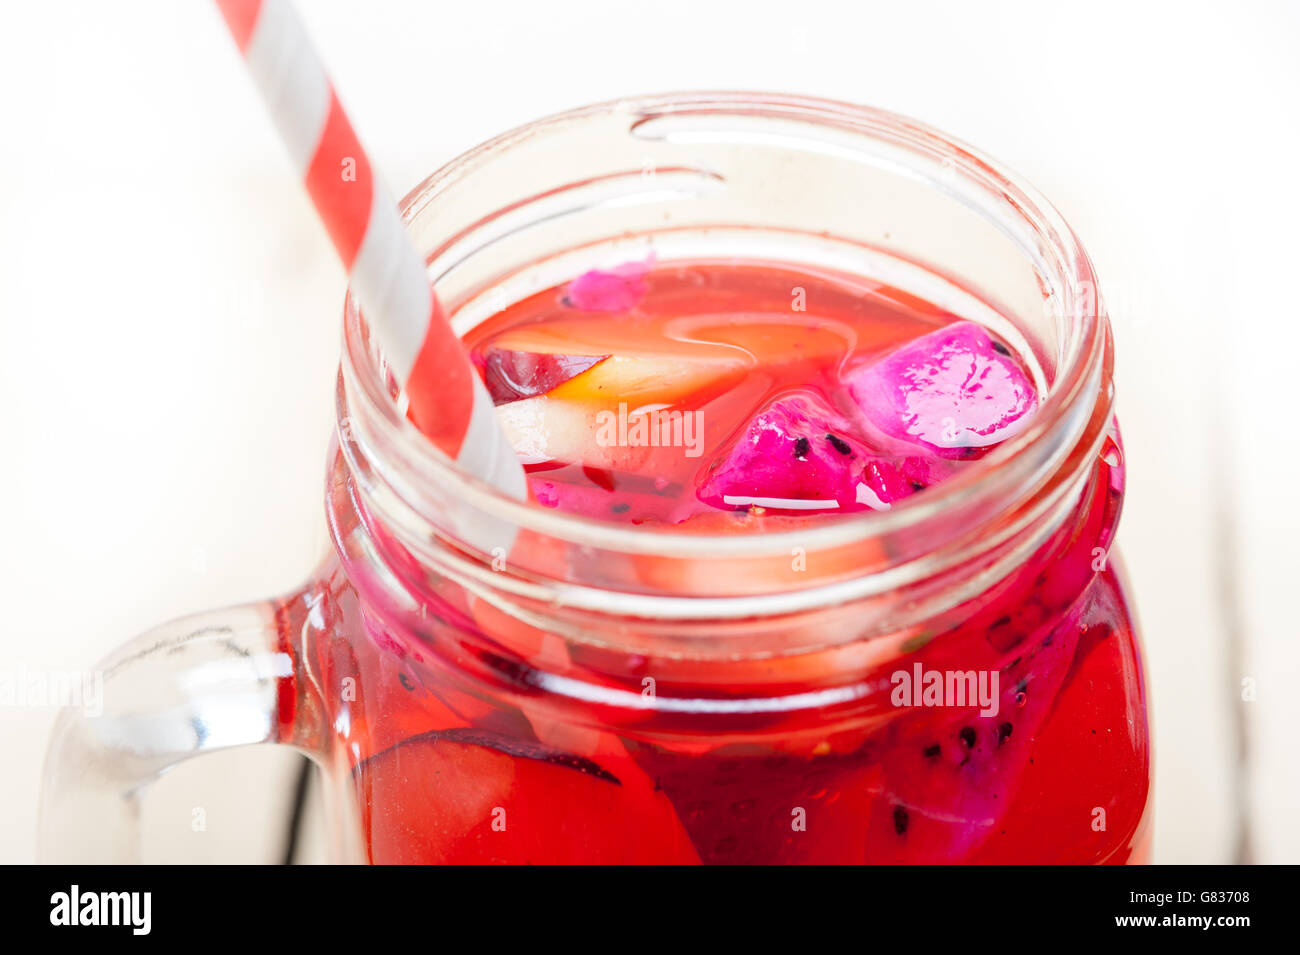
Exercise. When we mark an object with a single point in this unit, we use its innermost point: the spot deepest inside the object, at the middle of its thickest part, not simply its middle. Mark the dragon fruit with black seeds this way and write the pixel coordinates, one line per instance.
(949, 776)
(800, 455)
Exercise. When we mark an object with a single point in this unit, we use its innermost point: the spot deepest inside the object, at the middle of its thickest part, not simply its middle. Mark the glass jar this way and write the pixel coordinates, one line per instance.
(594, 692)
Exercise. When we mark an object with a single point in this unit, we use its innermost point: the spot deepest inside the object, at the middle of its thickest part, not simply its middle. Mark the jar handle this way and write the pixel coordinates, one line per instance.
(199, 684)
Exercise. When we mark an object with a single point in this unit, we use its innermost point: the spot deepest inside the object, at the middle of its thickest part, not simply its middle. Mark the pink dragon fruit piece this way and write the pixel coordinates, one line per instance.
(798, 456)
(949, 776)
(613, 290)
(955, 392)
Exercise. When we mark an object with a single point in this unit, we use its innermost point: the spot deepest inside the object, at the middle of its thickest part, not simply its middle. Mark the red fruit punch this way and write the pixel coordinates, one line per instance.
(685, 397)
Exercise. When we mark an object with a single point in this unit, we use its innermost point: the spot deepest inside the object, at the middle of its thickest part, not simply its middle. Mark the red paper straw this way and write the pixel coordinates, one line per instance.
(447, 400)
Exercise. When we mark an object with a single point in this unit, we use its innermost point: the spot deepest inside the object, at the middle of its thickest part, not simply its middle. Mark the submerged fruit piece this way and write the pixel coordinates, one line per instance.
(613, 414)
(511, 375)
(1092, 753)
(950, 391)
(606, 359)
(644, 379)
(471, 796)
(798, 455)
(951, 773)
(745, 805)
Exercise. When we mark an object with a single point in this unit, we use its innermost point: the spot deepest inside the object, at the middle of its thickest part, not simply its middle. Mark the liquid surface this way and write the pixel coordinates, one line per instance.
(671, 394)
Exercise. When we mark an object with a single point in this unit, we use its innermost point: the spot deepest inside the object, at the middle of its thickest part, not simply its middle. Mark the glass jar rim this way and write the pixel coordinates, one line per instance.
(1018, 463)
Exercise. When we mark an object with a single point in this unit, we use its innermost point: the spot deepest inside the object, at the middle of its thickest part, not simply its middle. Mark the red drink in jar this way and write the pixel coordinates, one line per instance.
(748, 399)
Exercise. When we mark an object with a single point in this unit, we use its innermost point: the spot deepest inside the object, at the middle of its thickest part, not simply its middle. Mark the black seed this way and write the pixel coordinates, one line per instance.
(406, 683)
(918, 486)
(931, 751)
(1004, 731)
(621, 508)
(967, 735)
(1000, 348)
(900, 820)
(801, 447)
(839, 444)
(566, 301)
(1000, 622)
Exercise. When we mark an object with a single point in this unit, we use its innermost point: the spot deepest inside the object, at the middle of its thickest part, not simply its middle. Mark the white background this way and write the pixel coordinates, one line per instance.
(169, 318)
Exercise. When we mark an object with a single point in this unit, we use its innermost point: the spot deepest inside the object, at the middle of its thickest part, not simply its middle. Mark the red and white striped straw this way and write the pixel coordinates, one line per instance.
(447, 400)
